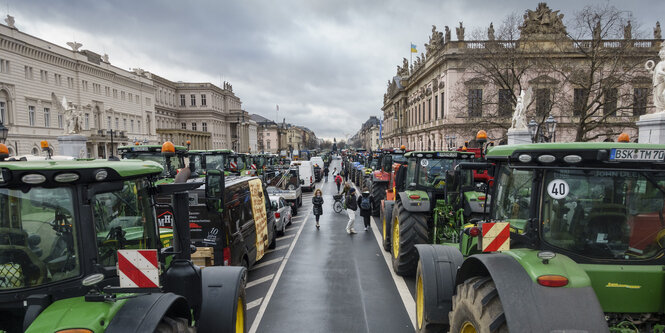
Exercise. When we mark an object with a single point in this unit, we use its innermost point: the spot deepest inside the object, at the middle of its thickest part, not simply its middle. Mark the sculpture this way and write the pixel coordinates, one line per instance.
(10, 21)
(657, 34)
(71, 114)
(490, 32)
(74, 45)
(105, 58)
(542, 21)
(460, 32)
(627, 31)
(447, 35)
(658, 71)
(404, 70)
(519, 117)
(435, 41)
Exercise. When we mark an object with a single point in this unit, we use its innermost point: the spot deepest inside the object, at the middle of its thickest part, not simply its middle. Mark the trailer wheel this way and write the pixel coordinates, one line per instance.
(408, 229)
(477, 307)
(378, 193)
(175, 325)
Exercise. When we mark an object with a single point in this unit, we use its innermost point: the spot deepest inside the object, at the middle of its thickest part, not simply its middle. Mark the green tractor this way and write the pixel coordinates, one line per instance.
(573, 241)
(171, 164)
(80, 251)
(431, 205)
(202, 160)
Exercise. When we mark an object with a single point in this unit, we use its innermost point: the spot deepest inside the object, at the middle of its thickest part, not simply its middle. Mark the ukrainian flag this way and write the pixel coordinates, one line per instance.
(413, 48)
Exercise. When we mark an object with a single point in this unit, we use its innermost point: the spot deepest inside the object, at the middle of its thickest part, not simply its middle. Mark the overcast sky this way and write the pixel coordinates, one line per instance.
(325, 63)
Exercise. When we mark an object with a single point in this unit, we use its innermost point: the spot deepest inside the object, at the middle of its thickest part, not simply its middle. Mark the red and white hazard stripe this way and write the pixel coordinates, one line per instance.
(496, 236)
(253, 166)
(234, 165)
(138, 268)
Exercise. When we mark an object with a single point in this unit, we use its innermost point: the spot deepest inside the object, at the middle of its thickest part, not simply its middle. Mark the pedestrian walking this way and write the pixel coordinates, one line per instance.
(351, 207)
(335, 172)
(325, 172)
(338, 181)
(317, 205)
(365, 204)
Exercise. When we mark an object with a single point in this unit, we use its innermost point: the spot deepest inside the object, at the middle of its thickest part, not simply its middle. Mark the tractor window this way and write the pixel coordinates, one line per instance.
(411, 173)
(196, 160)
(605, 214)
(432, 172)
(38, 242)
(513, 196)
(124, 219)
(177, 162)
(215, 162)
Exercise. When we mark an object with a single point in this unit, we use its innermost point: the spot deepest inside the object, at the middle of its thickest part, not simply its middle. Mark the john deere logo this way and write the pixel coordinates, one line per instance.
(620, 285)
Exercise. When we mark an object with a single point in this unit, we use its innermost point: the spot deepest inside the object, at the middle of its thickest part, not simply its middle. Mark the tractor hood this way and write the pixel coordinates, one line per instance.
(76, 313)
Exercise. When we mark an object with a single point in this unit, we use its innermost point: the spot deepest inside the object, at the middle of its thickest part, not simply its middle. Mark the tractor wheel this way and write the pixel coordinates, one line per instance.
(173, 325)
(477, 307)
(422, 325)
(407, 230)
(273, 240)
(386, 218)
(378, 193)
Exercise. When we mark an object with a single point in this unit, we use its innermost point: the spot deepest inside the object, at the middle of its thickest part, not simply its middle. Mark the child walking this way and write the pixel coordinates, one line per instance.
(317, 205)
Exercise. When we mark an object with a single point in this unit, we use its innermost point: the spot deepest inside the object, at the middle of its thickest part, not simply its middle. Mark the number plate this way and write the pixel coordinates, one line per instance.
(638, 155)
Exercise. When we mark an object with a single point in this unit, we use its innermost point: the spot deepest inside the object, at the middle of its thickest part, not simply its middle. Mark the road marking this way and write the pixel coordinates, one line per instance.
(296, 222)
(277, 248)
(402, 289)
(264, 305)
(267, 263)
(259, 281)
(254, 303)
(287, 236)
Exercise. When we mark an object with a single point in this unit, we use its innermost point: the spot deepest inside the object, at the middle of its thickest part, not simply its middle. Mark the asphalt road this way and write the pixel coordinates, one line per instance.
(326, 280)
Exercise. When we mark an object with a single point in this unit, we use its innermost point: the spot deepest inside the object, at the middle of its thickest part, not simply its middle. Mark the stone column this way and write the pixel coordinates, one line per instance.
(518, 136)
(651, 128)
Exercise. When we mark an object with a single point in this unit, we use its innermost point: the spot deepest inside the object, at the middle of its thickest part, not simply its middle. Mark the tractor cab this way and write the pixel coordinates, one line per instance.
(237, 163)
(434, 172)
(202, 160)
(171, 164)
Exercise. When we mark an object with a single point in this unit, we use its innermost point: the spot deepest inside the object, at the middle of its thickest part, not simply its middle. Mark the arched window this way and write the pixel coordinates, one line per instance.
(35, 151)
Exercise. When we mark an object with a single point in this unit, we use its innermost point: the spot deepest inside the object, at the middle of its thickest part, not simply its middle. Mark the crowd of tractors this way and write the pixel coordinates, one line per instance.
(548, 237)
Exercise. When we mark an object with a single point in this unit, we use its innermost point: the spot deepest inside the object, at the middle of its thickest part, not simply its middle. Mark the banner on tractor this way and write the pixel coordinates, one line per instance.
(260, 217)
(138, 268)
(496, 237)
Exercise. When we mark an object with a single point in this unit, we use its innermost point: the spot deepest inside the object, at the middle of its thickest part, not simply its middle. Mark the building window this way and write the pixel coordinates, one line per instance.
(43, 75)
(268, 144)
(70, 82)
(117, 123)
(138, 126)
(136, 99)
(84, 85)
(87, 121)
(203, 100)
(579, 101)
(115, 93)
(31, 115)
(130, 97)
(193, 126)
(505, 105)
(436, 107)
(204, 127)
(47, 117)
(58, 79)
(108, 122)
(147, 101)
(107, 91)
(4, 66)
(3, 112)
(122, 95)
(124, 124)
(543, 102)
(475, 102)
(183, 126)
(131, 124)
(640, 101)
(429, 109)
(28, 73)
(182, 100)
(193, 99)
(60, 121)
(442, 104)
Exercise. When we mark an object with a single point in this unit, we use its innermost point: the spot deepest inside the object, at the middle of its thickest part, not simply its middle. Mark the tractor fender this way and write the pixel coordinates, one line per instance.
(415, 206)
(221, 286)
(438, 264)
(143, 313)
(530, 307)
(388, 210)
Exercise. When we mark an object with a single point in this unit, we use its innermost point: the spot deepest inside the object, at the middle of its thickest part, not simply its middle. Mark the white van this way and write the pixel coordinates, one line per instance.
(306, 170)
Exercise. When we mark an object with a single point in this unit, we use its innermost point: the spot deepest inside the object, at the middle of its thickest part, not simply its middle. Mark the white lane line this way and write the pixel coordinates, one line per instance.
(254, 303)
(277, 248)
(402, 289)
(267, 263)
(286, 237)
(259, 281)
(264, 305)
(296, 222)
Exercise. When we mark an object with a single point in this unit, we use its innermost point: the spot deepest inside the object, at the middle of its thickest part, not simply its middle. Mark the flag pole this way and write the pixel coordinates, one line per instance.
(410, 55)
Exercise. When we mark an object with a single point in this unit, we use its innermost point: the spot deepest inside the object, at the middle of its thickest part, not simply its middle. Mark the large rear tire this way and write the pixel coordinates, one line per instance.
(173, 325)
(378, 193)
(477, 307)
(386, 219)
(407, 230)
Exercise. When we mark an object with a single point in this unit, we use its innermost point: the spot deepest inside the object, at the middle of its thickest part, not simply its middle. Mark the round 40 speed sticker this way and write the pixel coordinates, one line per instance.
(558, 189)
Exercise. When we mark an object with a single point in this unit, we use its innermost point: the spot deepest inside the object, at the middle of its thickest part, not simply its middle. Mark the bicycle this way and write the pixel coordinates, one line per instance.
(338, 204)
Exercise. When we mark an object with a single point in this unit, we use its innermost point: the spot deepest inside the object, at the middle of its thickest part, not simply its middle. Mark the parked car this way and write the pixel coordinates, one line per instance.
(282, 211)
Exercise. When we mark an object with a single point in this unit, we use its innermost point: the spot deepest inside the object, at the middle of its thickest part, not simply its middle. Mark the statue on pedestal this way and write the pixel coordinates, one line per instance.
(490, 32)
(447, 35)
(71, 114)
(519, 117)
(657, 34)
(627, 31)
(658, 72)
(460, 32)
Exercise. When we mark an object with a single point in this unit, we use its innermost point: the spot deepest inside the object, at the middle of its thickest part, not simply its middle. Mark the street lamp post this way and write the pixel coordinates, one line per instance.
(543, 132)
(111, 151)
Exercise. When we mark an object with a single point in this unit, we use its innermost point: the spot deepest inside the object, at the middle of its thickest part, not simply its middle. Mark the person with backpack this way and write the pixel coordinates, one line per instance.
(317, 205)
(365, 204)
(351, 207)
(338, 181)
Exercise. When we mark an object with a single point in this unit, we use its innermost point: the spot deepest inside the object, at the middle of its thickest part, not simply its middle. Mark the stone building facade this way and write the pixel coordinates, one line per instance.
(444, 97)
(136, 105)
(368, 137)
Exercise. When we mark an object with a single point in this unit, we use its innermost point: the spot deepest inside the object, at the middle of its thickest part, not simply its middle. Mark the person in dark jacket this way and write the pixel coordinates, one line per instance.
(325, 172)
(365, 205)
(317, 205)
(351, 207)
